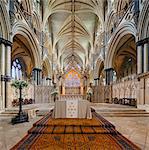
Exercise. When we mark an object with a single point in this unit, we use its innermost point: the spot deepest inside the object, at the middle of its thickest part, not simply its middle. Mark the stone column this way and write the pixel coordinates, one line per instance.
(5, 65)
(48, 81)
(146, 57)
(139, 59)
(2, 67)
(8, 75)
(136, 10)
(109, 75)
(97, 81)
(2, 59)
(8, 60)
(37, 76)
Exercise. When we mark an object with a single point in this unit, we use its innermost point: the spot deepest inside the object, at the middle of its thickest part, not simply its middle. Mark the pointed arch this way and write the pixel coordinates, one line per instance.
(24, 30)
(143, 25)
(122, 30)
(4, 22)
(48, 65)
(99, 67)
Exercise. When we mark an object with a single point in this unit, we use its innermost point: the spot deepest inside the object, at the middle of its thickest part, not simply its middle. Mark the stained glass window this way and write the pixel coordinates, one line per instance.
(72, 79)
(16, 70)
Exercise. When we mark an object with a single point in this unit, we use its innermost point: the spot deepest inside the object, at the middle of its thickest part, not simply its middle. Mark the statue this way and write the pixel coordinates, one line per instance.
(89, 93)
(54, 92)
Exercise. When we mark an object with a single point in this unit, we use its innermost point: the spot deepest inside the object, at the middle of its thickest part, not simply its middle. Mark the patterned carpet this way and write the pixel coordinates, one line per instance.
(74, 134)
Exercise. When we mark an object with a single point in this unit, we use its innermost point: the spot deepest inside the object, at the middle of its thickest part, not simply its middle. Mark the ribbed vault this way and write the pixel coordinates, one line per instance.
(73, 24)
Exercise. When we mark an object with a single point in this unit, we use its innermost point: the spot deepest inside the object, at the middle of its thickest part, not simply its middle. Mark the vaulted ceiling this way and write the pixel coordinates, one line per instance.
(73, 27)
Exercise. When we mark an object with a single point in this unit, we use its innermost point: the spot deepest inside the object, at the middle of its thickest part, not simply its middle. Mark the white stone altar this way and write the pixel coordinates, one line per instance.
(71, 97)
(72, 108)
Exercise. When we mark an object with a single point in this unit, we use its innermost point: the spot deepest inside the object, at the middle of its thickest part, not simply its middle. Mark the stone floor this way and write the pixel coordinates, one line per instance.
(135, 129)
(11, 134)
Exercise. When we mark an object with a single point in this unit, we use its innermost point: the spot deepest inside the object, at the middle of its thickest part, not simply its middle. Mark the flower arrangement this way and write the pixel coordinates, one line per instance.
(22, 116)
(19, 84)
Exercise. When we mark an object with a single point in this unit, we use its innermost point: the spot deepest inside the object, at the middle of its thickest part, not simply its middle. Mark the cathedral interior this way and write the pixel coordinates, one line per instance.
(91, 56)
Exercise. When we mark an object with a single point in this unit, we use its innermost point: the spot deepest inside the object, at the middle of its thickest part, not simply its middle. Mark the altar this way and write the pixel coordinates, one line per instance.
(71, 103)
(71, 97)
(72, 109)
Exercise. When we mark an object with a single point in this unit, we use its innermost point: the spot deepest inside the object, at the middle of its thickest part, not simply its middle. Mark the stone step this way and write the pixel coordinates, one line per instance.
(122, 109)
(10, 112)
(7, 115)
(42, 112)
(120, 113)
(123, 112)
(125, 115)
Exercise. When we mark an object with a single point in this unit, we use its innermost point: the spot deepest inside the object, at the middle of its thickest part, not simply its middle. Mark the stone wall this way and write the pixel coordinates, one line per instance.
(43, 94)
(143, 94)
(125, 89)
(40, 94)
(98, 94)
(136, 87)
(27, 93)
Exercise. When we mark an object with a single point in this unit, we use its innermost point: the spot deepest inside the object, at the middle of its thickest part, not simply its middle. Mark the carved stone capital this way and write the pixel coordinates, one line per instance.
(142, 42)
(5, 42)
(5, 78)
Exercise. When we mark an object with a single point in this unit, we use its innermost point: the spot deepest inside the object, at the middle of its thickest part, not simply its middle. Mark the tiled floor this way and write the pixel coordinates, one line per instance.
(134, 128)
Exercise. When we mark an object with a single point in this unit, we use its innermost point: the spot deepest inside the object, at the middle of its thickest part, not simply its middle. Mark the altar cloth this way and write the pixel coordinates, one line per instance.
(72, 109)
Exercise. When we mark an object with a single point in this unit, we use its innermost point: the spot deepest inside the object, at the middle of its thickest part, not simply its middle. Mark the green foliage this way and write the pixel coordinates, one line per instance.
(19, 84)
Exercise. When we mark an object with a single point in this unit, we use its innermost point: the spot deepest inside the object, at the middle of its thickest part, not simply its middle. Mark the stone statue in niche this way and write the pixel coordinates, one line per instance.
(89, 92)
(55, 92)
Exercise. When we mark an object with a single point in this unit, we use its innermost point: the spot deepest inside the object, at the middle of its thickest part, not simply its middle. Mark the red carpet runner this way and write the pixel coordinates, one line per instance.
(74, 134)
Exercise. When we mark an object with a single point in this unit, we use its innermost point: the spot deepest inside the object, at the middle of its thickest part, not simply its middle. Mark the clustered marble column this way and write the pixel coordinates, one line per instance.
(143, 56)
(5, 71)
(109, 75)
(37, 75)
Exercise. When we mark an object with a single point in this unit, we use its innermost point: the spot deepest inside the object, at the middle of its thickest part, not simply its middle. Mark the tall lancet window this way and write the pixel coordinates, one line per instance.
(16, 70)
